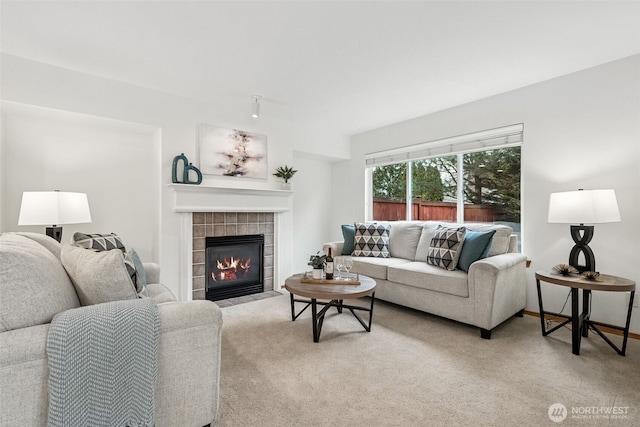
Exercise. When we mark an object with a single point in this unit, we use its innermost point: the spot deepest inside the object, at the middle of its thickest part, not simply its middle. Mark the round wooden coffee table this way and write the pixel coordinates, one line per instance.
(335, 293)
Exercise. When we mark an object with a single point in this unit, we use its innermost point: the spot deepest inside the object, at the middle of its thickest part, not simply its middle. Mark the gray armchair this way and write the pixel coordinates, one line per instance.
(34, 287)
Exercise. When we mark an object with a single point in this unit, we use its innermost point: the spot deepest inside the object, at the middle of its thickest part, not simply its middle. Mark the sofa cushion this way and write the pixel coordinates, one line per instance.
(48, 242)
(371, 240)
(349, 235)
(428, 230)
(501, 239)
(159, 293)
(106, 242)
(33, 285)
(499, 245)
(476, 246)
(98, 276)
(425, 276)
(445, 247)
(403, 239)
(375, 267)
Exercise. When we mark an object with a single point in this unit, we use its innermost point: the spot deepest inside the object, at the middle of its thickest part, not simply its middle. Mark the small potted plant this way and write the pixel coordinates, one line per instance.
(317, 263)
(286, 173)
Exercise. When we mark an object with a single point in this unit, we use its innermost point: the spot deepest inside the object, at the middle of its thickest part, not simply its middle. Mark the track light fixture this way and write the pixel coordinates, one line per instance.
(256, 106)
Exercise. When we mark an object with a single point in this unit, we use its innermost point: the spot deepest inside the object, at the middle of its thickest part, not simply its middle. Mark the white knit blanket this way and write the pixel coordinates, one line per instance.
(103, 364)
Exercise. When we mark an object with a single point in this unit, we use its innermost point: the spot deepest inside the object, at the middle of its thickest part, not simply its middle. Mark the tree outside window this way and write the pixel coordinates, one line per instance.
(390, 192)
(492, 179)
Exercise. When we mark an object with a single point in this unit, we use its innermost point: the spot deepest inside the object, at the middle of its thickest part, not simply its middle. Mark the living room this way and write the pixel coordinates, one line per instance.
(77, 117)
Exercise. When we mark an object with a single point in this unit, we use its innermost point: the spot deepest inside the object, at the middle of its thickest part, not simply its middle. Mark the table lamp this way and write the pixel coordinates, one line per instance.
(54, 208)
(583, 207)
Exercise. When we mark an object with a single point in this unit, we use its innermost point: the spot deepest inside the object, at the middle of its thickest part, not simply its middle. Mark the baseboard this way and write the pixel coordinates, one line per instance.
(602, 328)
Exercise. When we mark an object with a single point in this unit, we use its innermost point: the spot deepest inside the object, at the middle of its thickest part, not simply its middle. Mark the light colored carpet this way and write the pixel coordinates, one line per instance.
(414, 369)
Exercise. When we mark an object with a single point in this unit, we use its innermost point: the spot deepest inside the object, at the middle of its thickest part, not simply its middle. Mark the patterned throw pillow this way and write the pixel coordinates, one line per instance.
(445, 247)
(107, 242)
(98, 242)
(371, 240)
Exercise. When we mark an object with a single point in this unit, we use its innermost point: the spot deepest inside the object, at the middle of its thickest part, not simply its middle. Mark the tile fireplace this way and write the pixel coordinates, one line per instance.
(232, 254)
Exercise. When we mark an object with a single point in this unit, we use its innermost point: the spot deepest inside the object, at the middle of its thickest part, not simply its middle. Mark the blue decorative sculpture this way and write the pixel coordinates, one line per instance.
(174, 168)
(186, 167)
(186, 174)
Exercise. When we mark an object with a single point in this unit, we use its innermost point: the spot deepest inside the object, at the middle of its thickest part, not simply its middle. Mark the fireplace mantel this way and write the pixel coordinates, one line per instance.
(203, 198)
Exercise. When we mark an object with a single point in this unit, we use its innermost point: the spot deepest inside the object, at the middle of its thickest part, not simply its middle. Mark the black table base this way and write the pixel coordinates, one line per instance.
(580, 320)
(318, 316)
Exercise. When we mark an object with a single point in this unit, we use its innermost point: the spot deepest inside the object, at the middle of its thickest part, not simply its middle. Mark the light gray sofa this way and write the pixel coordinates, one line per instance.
(34, 287)
(493, 290)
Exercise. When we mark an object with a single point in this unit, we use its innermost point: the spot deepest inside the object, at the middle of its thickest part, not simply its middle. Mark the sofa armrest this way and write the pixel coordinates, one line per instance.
(499, 285)
(188, 364)
(159, 293)
(336, 248)
(152, 271)
(24, 376)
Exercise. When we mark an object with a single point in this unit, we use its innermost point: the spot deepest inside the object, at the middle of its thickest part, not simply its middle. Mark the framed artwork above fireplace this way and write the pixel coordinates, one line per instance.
(232, 152)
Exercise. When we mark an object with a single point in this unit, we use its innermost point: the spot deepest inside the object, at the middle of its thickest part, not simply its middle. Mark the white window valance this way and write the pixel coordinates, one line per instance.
(507, 136)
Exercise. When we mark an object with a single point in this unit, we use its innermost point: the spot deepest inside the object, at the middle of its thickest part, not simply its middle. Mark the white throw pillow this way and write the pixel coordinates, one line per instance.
(107, 242)
(98, 276)
(403, 239)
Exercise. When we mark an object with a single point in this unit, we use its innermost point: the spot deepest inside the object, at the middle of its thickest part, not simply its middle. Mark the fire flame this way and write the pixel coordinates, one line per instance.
(231, 268)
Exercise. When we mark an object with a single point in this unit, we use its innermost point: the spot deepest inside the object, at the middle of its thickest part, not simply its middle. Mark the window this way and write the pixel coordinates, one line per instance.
(478, 182)
(492, 186)
(390, 192)
(433, 189)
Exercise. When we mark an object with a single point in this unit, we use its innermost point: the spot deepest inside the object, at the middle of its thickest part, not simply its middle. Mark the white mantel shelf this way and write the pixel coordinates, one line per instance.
(204, 198)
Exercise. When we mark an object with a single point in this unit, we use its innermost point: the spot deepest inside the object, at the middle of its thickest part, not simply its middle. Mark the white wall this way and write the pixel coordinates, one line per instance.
(115, 163)
(38, 84)
(581, 131)
(313, 199)
(2, 174)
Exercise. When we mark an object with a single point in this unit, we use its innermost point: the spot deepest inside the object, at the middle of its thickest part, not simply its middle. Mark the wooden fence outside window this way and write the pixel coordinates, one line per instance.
(395, 210)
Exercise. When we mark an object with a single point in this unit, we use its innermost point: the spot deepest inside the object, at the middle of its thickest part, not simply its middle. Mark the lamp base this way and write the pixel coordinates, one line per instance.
(582, 235)
(54, 232)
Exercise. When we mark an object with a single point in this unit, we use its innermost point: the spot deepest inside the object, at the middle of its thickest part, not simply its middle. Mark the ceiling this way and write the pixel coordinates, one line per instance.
(346, 67)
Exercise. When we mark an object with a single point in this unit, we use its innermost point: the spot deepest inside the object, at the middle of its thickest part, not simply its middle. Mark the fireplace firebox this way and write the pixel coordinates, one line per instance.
(234, 266)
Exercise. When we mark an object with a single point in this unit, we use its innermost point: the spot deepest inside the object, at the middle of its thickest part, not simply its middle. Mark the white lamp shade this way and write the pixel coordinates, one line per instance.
(53, 208)
(583, 207)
